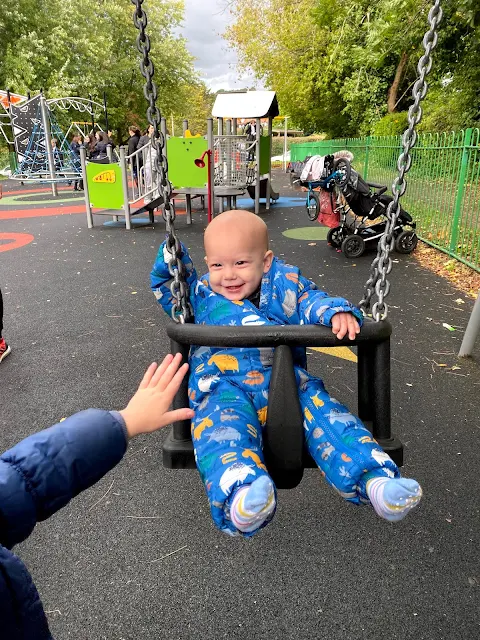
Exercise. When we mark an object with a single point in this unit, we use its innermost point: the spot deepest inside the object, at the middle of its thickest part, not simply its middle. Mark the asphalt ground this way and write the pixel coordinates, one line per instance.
(136, 557)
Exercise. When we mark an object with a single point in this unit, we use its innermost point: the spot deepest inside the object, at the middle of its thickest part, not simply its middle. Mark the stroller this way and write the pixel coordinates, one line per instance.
(359, 211)
(362, 206)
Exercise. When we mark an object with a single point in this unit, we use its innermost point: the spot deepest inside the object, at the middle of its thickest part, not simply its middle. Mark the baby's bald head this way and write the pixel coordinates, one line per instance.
(236, 253)
(244, 226)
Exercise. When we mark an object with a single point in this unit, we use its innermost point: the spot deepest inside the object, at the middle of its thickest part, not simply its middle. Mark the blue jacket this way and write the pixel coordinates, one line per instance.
(38, 477)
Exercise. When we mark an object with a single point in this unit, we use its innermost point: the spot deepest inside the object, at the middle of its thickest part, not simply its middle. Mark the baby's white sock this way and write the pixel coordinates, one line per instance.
(392, 498)
(252, 505)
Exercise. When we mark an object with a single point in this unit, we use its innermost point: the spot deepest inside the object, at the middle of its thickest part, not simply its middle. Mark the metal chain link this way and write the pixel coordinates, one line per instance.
(181, 308)
(382, 264)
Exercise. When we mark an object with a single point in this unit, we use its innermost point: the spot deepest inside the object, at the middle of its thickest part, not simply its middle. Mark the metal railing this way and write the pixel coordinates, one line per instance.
(443, 194)
(141, 182)
(231, 154)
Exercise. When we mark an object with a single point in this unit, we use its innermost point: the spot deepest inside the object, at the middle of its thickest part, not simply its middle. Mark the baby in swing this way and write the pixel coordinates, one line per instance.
(228, 387)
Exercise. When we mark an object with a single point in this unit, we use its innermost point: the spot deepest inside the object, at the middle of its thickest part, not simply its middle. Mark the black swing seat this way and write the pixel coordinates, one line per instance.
(284, 443)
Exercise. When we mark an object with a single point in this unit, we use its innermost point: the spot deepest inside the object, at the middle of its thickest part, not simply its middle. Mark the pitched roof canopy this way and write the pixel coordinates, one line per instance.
(251, 104)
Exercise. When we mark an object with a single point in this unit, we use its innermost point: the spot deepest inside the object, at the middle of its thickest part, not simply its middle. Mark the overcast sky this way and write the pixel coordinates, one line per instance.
(205, 21)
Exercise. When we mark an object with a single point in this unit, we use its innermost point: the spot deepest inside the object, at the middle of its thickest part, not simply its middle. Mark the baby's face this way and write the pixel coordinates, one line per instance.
(236, 266)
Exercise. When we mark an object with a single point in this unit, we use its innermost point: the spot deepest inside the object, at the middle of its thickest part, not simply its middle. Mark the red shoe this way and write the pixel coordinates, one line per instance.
(4, 349)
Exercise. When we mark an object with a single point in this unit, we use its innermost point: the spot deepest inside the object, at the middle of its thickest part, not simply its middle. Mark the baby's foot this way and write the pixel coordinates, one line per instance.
(392, 498)
(252, 505)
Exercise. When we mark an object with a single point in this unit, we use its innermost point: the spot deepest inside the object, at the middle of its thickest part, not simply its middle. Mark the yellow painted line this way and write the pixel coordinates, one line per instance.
(338, 352)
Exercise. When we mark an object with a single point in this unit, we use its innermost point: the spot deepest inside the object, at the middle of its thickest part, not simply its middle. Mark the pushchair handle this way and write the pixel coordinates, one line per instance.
(381, 187)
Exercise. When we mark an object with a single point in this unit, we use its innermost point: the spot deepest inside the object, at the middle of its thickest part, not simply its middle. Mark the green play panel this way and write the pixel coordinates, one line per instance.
(105, 187)
(307, 233)
(182, 171)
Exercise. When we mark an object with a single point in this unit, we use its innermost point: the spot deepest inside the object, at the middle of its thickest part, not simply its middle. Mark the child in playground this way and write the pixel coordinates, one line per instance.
(42, 473)
(228, 388)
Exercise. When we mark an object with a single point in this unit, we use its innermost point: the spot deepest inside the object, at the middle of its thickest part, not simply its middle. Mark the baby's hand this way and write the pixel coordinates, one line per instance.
(343, 323)
(148, 409)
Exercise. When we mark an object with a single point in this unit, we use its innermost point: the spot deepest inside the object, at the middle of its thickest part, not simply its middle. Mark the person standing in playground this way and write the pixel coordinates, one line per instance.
(4, 348)
(132, 144)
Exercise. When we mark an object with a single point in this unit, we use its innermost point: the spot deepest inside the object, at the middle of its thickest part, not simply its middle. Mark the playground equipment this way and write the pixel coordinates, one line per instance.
(34, 126)
(250, 105)
(472, 331)
(120, 188)
(284, 432)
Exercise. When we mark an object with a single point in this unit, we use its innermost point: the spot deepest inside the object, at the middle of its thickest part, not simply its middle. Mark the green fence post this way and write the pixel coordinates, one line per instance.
(467, 141)
(365, 166)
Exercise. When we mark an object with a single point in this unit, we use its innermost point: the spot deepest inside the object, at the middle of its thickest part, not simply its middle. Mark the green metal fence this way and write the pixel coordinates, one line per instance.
(443, 193)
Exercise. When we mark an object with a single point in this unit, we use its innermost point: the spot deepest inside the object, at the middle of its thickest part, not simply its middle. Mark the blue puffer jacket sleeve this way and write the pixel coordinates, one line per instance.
(160, 277)
(317, 307)
(45, 471)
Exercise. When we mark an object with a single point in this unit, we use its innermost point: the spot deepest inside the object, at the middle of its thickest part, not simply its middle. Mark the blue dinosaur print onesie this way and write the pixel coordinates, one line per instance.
(228, 389)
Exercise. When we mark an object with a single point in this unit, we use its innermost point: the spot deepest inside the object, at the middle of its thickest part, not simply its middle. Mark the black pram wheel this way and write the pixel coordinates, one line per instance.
(353, 246)
(335, 237)
(313, 205)
(406, 241)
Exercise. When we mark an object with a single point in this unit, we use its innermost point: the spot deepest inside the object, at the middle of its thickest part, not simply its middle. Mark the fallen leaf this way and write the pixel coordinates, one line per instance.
(312, 244)
(441, 365)
(448, 326)
(455, 367)
(408, 384)
(133, 293)
(460, 301)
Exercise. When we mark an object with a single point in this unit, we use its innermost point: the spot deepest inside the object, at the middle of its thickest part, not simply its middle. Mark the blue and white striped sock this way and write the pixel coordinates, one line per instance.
(252, 505)
(393, 498)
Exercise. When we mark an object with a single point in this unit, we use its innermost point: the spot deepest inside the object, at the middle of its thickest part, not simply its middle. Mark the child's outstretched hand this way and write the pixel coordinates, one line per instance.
(148, 409)
(343, 323)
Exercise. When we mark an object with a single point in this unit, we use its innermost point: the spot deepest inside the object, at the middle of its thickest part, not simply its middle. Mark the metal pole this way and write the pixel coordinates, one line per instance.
(106, 112)
(466, 153)
(257, 165)
(110, 152)
(367, 150)
(269, 175)
(124, 170)
(184, 126)
(285, 136)
(472, 331)
(229, 160)
(48, 142)
(92, 114)
(220, 162)
(173, 126)
(211, 160)
(234, 126)
(83, 162)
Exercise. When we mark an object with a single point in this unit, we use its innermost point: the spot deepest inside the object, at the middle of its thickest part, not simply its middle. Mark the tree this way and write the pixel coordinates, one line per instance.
(338, 67)
(72, 48)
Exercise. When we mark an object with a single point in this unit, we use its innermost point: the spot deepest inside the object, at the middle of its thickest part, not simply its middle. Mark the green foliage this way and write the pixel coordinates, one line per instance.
(393, 124)
(71, 48)
(339, 67)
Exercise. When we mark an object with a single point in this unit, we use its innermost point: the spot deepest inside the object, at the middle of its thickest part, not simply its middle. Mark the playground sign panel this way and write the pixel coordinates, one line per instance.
(105, 186)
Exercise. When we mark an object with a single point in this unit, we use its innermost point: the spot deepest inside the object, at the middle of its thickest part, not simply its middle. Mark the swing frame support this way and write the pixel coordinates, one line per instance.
(285, 454)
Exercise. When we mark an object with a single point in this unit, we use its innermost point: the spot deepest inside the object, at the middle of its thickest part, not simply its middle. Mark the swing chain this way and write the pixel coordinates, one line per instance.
(382, 264)
(181, 309)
